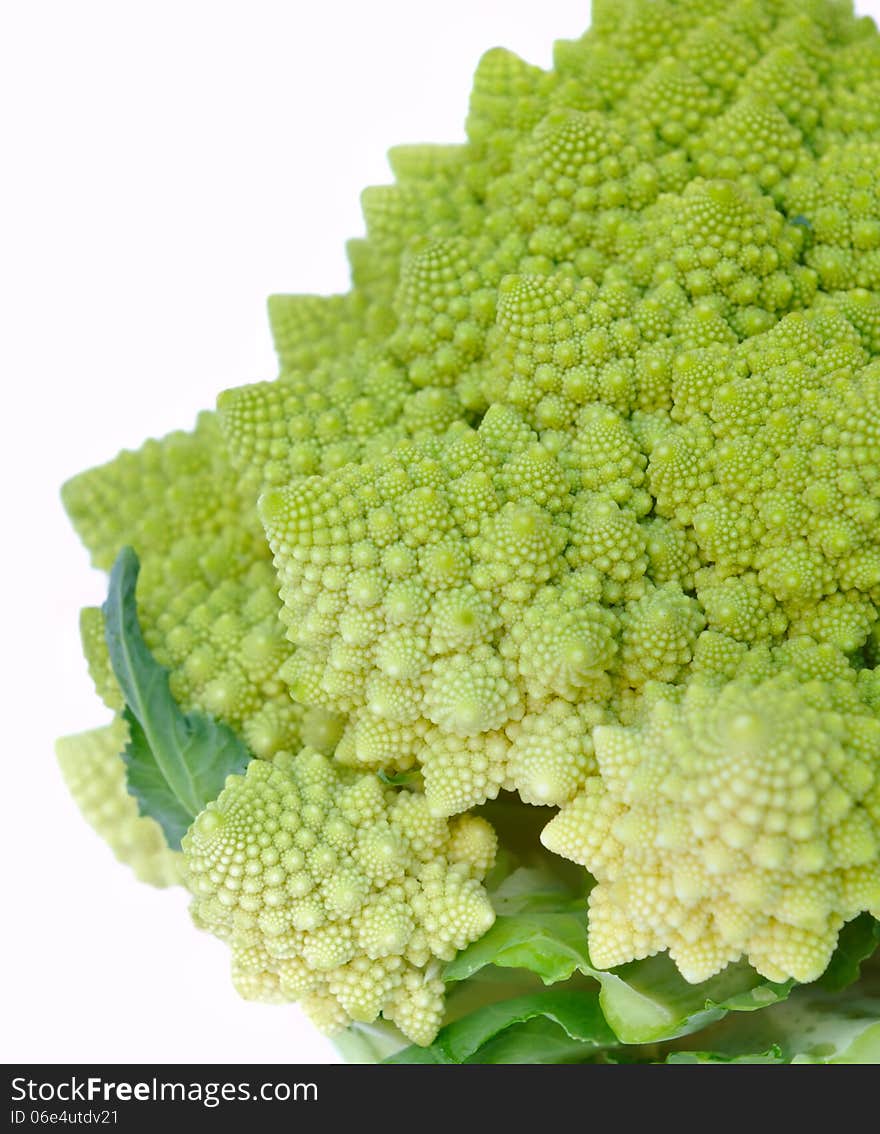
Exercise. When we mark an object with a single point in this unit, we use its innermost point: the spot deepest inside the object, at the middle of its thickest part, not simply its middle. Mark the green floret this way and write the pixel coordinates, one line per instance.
(94, 645)
(338, 892)
(840, 198)
(658, 199)
(438, 595)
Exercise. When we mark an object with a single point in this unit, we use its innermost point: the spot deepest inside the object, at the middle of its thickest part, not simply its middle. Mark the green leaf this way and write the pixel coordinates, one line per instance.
(863, 1047)
(817, 1026)
(645, 1008)
(545, 932)
(539, 1040)
(773, 1055)
(146, 781)
(813, 1026)
(551, 944)
(858, 940)
(561, 1025)
(650, 1001)
(176, 763)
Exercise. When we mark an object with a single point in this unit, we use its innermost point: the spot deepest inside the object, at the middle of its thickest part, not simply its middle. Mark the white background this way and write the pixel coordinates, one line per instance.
(167, 165)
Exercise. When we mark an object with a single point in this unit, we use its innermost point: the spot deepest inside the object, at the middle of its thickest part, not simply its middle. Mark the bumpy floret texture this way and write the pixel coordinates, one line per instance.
(441, 594)
(653, 191)
(739, 822)
(337, 891)
(92, 767)
(207, 594)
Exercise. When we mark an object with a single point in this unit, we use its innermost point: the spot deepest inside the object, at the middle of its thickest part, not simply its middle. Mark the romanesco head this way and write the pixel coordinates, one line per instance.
(575, 494)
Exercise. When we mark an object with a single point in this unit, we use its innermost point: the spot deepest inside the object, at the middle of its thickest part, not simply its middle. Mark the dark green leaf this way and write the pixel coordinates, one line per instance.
(147, 783)
(176, 763)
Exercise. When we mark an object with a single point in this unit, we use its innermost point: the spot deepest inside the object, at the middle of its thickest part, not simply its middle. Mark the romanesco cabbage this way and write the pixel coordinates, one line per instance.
(573, 501)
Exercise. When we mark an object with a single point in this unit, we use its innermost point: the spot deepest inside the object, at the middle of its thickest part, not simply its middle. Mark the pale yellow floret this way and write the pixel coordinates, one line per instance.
(740, 822)
(92, 766)
(551, 753)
